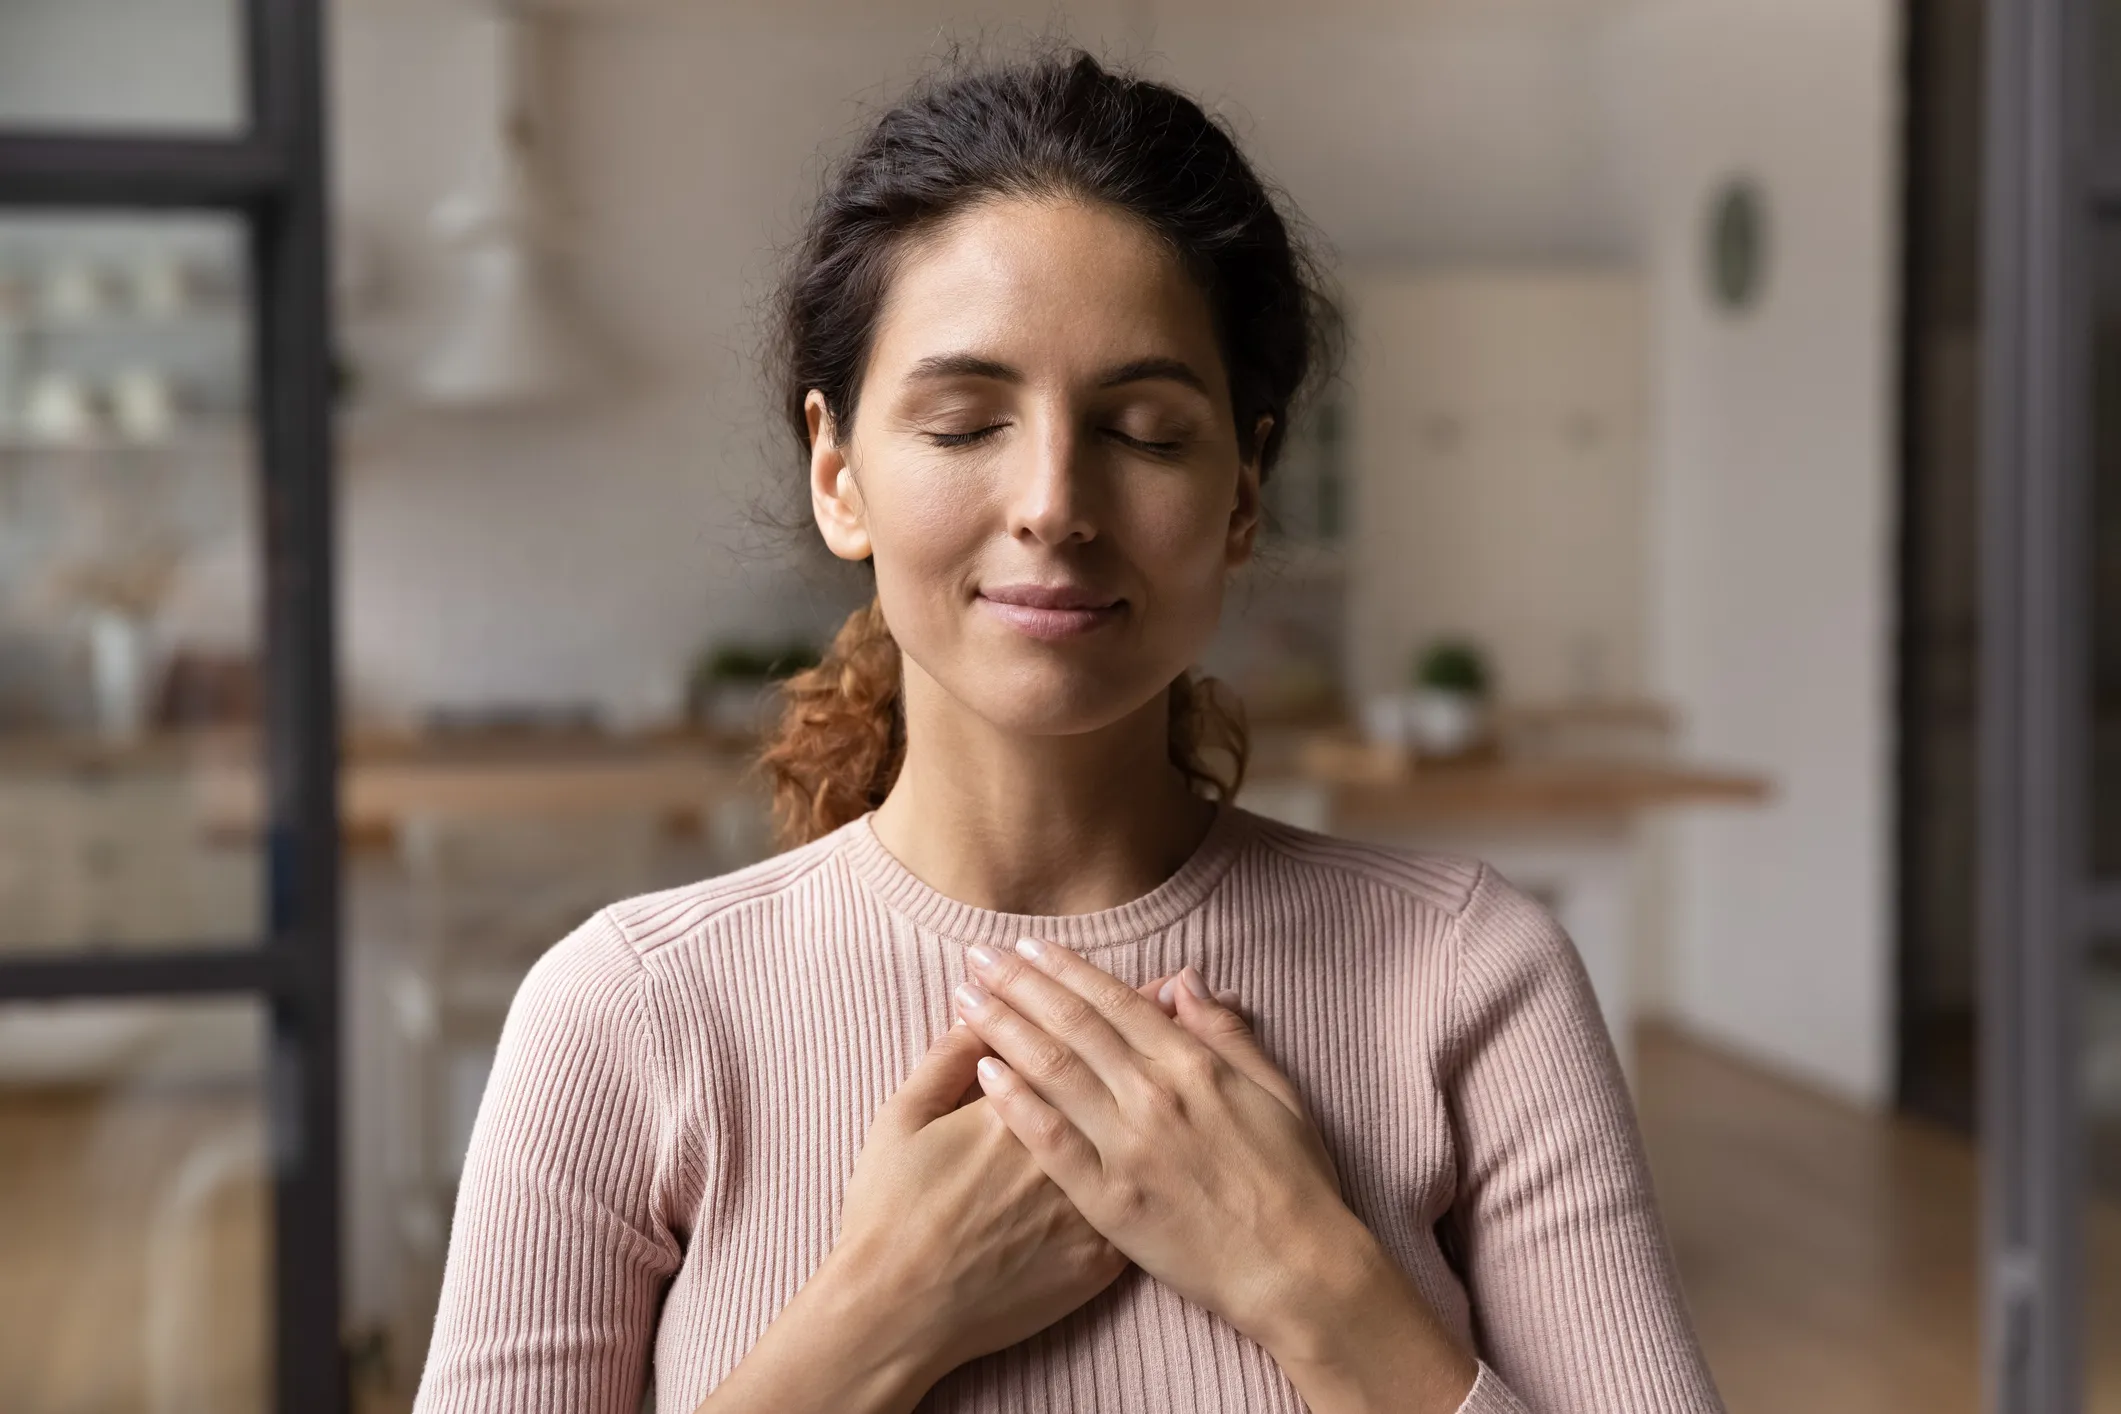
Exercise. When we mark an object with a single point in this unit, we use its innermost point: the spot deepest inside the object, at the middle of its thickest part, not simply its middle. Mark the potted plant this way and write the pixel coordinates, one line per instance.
(731, 686)
(1447, 710)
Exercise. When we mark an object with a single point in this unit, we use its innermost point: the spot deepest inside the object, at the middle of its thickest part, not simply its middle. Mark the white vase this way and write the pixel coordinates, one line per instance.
(117, 656)
(1386, 718)
(1442, 721)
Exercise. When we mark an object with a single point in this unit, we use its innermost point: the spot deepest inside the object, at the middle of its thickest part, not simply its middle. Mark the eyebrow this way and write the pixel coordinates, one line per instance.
(965, 365)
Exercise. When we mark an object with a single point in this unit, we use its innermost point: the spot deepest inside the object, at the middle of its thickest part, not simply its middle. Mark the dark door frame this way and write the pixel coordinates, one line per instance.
(2043, 190)
(273, 176)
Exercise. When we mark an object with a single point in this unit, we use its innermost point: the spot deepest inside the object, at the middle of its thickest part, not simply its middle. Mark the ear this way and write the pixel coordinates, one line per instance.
(1246, 512)
(835, 499)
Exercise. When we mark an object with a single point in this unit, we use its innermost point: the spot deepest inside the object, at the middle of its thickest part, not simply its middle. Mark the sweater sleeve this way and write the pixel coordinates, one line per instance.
(1575, 1298)
(558, 1256)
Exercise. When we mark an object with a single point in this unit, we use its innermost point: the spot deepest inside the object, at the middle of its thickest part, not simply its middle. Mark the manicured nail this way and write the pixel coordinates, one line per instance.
(957, 1021)
(1195, 983)
(1227, 998)
(981, 957)
(1030, 948)
(1163, 993)
(990, 1070)
(971, 996)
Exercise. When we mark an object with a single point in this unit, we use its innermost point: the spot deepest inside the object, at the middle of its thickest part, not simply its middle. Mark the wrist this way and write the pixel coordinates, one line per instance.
(859, 1292)
(1353, 1332)
(848, 1341)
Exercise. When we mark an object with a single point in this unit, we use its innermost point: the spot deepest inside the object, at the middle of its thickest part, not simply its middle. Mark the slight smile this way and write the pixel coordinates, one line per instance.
(1051, 611)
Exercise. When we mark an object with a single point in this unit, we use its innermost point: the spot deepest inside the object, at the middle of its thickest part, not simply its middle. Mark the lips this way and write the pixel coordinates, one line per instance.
(1051, 611)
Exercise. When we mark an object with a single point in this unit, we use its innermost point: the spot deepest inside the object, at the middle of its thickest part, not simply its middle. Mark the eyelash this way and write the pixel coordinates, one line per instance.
(966, 439)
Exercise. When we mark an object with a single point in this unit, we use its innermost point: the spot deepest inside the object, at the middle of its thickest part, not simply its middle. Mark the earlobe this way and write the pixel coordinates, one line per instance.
(835, 496)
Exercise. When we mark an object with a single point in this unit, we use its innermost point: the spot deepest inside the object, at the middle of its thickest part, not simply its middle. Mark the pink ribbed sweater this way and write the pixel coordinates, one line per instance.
(684, 1082)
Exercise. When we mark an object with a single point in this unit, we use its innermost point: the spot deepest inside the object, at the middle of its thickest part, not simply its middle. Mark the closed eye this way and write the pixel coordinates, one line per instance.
(1162, 449)
(963, 439)
(977, 434)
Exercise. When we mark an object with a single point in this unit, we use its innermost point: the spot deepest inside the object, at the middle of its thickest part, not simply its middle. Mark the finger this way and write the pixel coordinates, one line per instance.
(1223, 1030)
(1056, 1146)
(1166, 995)
(1072, 982)
(1154, 991)
(937, 1082)
(1078, 1016)
(1041, 1060)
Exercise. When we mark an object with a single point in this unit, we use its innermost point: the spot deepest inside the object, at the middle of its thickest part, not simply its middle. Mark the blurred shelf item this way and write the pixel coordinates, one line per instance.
(186, 432)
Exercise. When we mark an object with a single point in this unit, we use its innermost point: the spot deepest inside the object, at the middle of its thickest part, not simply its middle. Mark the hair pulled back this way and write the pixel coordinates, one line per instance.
(1064, 126)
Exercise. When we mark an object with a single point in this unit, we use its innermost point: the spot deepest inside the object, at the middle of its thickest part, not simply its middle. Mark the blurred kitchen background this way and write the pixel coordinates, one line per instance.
(1636, 551)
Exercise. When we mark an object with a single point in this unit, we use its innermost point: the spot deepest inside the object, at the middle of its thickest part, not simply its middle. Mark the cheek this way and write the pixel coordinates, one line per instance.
(926, 527)
(1179, 539)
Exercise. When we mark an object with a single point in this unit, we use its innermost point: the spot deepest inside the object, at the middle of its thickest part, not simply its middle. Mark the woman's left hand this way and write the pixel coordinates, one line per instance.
(1189, 1151)
(1179, 1141)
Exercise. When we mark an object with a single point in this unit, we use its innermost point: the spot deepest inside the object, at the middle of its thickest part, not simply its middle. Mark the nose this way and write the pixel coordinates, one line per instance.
(1050, 491)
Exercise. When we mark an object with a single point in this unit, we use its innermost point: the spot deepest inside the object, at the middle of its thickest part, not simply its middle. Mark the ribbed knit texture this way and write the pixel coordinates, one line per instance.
(683, 1084)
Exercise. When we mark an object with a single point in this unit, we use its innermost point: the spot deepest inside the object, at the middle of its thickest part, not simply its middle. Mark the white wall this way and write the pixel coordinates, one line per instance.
(1772, 437)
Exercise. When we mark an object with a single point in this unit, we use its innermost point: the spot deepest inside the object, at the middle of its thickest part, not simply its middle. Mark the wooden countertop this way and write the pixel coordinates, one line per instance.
(1514, 792)
(386, 779)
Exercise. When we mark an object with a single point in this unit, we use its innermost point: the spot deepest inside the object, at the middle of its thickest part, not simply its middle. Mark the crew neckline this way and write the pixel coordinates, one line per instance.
(921, 903)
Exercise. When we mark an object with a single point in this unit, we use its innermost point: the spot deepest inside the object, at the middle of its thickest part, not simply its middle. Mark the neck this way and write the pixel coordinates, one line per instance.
(1038, 824)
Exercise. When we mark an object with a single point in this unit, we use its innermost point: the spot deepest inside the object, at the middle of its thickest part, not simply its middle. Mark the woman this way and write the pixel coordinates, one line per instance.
(1040, 345)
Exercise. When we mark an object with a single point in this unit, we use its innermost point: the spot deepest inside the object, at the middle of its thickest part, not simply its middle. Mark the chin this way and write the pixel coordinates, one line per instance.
(1059, 699)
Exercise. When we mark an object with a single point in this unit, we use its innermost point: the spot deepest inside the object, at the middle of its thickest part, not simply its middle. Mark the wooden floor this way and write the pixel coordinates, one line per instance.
(1829, 1255)
(133, 1251)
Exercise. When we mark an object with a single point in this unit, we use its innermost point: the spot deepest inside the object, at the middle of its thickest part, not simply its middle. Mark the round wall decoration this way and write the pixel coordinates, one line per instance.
(1737, 244)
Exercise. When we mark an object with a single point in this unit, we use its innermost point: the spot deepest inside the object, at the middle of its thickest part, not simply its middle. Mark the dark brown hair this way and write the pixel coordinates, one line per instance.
(1059, 125)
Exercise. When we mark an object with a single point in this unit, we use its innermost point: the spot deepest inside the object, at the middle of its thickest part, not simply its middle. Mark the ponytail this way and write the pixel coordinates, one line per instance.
(842, 734)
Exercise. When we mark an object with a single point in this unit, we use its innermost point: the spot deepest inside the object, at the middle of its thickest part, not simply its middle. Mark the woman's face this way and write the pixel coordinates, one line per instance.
(1043, 464)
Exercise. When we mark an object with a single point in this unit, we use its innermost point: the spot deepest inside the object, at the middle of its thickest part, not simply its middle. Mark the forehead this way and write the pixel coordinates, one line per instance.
(1048, 285)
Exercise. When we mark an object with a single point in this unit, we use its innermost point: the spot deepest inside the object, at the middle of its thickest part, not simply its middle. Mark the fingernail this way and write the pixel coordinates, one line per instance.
(981, 957)
(971, 996)
(990, 1070)
(957, 1021)
(1163, 993)
(1195, 983)
(1030, 948)
(1227, 998)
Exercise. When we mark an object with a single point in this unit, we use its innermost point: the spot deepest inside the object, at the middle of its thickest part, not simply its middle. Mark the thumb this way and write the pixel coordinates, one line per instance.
(1217, 1024)
(941, 1078)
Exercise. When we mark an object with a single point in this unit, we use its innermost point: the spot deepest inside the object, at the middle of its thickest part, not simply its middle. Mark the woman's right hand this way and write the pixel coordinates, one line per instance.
(952, 1243)
(948, 1216)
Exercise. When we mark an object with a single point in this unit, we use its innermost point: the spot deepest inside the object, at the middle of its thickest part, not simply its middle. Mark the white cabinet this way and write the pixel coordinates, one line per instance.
(1496, 460)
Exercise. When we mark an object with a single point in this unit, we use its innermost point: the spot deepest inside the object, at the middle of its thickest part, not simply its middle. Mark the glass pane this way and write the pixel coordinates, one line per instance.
(2102, 1219)
(2105, 549)
(134, 1197)
(156, 64)
(129, 625)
